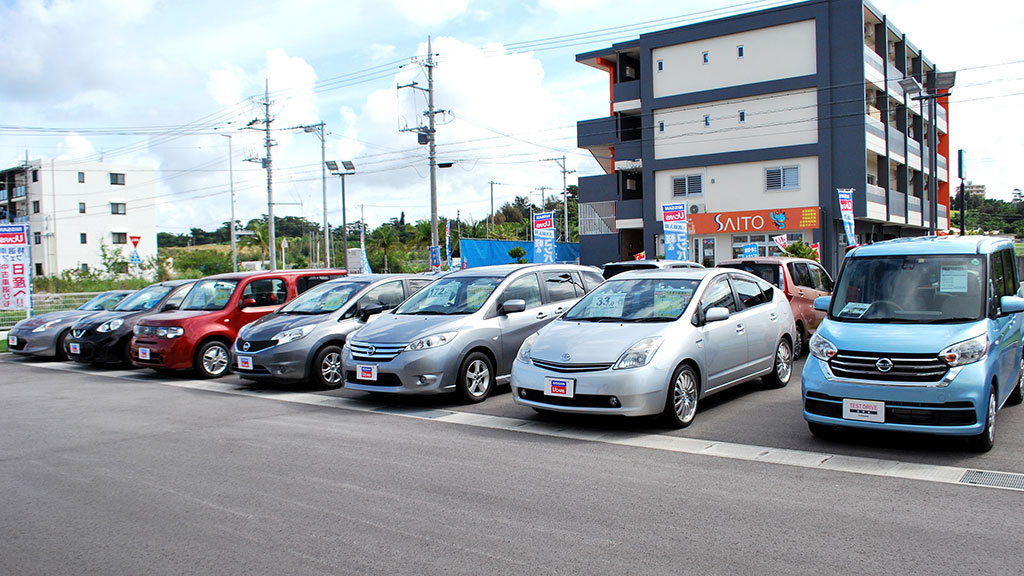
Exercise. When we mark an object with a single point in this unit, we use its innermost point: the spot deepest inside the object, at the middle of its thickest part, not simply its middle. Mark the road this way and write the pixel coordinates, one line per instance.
(120, 472)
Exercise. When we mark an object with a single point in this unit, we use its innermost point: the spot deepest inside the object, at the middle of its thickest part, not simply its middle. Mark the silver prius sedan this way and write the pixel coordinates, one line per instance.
(657, 342)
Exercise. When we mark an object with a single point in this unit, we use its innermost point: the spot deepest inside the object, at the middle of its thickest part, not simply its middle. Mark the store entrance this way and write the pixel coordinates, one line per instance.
(631, 241)
(702, 251)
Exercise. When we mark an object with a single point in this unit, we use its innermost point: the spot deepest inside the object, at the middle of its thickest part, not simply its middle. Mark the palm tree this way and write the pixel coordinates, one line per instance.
(260, 237)
(385, 237)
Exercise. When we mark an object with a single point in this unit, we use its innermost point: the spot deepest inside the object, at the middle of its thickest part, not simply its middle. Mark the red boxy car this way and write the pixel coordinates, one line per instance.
(801, 280)
(199, 334)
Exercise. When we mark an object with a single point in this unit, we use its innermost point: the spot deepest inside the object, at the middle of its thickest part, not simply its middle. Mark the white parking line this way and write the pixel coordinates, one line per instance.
(747, 452)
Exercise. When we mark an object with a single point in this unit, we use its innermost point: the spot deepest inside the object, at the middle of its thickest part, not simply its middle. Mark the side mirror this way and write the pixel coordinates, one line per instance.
(169, 307)
(716, 314)
(1011, 304)
(366, 311)
(247, 302)
(516, 305)
(821, 303)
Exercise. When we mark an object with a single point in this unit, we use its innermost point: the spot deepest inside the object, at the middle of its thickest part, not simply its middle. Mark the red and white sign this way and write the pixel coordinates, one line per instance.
(781, 241)
(245, 362)
(366, 373)
(560, 387)
(15, 268)
(640, 256)
(135, 240)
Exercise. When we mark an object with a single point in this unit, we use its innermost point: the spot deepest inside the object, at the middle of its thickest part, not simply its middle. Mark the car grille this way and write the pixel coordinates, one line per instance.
(919, 413)
(577, 401)
(905, 367)
(564, 368)
(383, 379)
(379, 352)
(254, 345)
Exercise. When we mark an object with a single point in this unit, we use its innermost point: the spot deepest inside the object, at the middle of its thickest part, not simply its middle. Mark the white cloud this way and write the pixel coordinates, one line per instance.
(431, 12)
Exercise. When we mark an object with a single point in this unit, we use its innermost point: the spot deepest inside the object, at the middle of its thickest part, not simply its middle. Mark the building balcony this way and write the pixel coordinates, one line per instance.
(897, 207)
(626, 96)
(876, 204)
(603, 188)
(914, 211)
(897, 146)
(19, 192)
(943, 217)
(873, 70)
(629, 209)
(894, 88)
(875, 132)
(597, 133)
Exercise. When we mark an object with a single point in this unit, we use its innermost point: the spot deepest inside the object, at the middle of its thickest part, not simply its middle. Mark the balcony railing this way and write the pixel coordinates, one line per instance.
(875, 202)
(596, 132)
(873, 70)
(19, 192)
(897, 206)
(601, 188)
(625, 91)
(597, 218)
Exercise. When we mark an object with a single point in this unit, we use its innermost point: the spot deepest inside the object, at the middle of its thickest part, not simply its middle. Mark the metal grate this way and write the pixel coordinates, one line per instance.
(570, 368)
(994, 479)
(376, 351)
(901, 367)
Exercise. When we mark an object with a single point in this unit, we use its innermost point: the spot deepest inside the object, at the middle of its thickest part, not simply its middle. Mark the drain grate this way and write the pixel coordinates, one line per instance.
(994, 479)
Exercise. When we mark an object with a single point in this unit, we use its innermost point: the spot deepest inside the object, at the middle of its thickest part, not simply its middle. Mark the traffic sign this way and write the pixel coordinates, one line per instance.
(136, 259)
(135, 240)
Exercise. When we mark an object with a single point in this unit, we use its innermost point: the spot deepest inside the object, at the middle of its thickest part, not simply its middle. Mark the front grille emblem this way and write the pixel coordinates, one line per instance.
(245, 347)
(77, 333)
(883, 364)
(370, 350)
(566, 357)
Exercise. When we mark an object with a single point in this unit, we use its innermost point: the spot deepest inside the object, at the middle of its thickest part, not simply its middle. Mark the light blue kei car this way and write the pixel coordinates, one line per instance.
(922, 335)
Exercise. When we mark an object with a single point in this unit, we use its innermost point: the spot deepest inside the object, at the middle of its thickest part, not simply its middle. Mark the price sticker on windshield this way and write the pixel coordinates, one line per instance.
(669, 302)
(607, 305)
(953, 280)
(442, 295)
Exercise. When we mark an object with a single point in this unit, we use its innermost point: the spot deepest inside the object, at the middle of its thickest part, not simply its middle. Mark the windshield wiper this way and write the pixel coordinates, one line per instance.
(426, 313)
(951, 320)
(597, 319)
(649, 319)
(303, 312)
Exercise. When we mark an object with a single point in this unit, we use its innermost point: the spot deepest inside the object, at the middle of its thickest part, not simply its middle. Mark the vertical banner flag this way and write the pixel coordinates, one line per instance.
(544, 237)
(817, 250)
(362, 246)
(846, 209)
(782, 241)
(15, 268)
(435, 258)
(677, 231)
(448, 241)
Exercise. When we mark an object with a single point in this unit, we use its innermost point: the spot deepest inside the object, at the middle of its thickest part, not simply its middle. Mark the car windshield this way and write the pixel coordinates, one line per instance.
(143, 299)
(105, 301)
(910, 289)
(323, 299)
(639, 300)
(209, 295)
(460, 295)
(769, 272)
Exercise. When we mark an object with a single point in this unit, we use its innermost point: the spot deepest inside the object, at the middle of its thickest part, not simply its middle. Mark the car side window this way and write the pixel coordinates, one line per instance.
(819, 278)
(592, 280)
(719, 294)
(526, 287)
(306, 282)
(388, 295)
(749, 292)
(177, 296)
(768, 288)
(266, 292)
(801, 277)
(1009, 272)
(417, 284)
(560, 286)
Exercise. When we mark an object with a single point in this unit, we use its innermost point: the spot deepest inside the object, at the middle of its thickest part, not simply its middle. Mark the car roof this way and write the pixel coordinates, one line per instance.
(659, 262)
(679, 273)
(505, 270)
(766, 260)
(925, 245)
(268, 273)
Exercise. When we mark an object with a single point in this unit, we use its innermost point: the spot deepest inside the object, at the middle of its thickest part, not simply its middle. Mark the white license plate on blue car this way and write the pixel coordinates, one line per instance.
(863, 410)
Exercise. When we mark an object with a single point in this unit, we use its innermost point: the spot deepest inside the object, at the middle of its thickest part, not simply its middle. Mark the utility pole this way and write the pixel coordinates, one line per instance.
(565, 189)
(267, 164)
(318, 130)
(231, 176)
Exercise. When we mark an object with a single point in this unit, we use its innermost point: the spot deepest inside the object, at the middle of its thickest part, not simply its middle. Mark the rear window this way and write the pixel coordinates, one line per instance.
(769, 272)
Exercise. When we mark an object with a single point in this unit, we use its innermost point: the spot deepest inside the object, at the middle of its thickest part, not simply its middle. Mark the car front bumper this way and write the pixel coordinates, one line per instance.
(430, 371)
(630, 392)
(285, 362)
(33, 343)
(165, 354)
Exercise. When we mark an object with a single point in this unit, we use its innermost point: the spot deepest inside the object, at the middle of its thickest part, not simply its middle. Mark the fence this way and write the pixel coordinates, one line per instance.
(43, 303)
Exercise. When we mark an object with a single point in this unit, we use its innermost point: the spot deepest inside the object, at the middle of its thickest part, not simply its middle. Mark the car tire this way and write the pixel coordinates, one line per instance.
(476, 378)
(682, 397)
(823, 431)
(986, 440)
(126, 356)
(326, 369)
(782, 368)
(798, 341)
(212, 359)
(60, 350)
(1017, 396)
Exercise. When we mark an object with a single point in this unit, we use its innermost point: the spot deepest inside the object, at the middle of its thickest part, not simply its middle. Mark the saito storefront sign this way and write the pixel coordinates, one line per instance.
(756, 220)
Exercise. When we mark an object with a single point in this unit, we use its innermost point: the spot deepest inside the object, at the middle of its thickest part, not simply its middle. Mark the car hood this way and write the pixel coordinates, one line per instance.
(402, 328)
(271, 324)
(591, 342)
(67, 316)
(175, 318)
(95, 320)
(898, 338)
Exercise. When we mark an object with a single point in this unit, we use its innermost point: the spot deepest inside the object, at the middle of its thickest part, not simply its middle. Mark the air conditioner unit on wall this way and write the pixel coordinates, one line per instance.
(697, 208)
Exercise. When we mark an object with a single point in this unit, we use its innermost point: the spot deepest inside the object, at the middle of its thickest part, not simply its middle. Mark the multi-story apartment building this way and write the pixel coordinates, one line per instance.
(74, 208)
(755, 121)
(972, 189)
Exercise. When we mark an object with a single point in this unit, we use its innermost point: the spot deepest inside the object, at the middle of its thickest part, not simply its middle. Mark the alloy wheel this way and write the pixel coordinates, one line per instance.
(478, 378)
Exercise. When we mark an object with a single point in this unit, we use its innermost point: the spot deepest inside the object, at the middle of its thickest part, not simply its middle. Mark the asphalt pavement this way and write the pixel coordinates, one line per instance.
(117, 472)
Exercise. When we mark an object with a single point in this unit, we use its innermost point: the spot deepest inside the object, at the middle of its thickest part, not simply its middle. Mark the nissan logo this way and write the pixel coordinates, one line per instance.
(245, 347)
(370, 350)
(883, 364)
(566, 357)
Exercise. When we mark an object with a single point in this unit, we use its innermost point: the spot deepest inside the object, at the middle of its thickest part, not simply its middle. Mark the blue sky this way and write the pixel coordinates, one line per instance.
(120, 78)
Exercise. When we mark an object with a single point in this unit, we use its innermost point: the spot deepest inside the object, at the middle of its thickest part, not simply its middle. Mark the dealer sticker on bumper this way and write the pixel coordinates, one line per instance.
(75, 348)
(366, 373)
(143, 353)
(245, 362)
(863, 410)
(564, 387)
(13, 340)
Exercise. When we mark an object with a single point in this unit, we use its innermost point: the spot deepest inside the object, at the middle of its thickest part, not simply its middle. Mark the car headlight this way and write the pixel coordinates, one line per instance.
(524, 350)
(821, 348)
(110, 326)
(639, 354)
(966, 352)
(137, 330)
(293, 334)
(47, 326)
(432, 341)
(170, 332)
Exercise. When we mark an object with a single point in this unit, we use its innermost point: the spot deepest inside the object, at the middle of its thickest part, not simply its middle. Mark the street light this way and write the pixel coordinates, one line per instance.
(318, 130)
(350, 169)
(231, 177)
(943, 81)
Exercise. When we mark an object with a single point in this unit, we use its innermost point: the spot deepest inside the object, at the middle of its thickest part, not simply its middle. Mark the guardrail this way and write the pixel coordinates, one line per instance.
(45, 302)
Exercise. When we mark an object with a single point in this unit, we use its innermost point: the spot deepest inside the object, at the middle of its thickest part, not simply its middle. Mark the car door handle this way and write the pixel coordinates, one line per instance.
(559, 310)
(773, 317)
(739, 328)
(541, 315)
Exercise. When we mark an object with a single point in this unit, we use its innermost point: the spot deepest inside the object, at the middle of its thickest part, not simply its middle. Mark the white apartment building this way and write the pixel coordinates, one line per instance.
(75, 208)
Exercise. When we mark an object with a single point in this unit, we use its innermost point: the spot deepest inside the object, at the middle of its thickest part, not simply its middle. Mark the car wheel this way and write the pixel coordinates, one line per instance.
(798, 341)
(61, 348)
(983, 442)
(476, 378)
(783, 369)
(681, 401)
(1017, 396)
(212, 359)
(126, 356)
(821, 430)
(327, 372)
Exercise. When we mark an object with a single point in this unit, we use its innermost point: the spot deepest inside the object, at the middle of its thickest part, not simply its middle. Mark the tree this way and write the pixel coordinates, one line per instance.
(260, 237)
(518, 254)
(798, 249)
(385, 237)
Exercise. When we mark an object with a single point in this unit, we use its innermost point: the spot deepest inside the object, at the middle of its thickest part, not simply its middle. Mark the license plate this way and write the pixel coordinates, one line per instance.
(74, 348)
(564, 387)
(245, 362)
(13, 340)
(863, 410)
(366, 373)
(143, 353)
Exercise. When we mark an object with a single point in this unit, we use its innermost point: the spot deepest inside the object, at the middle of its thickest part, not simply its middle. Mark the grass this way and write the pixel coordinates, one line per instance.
(3, 346)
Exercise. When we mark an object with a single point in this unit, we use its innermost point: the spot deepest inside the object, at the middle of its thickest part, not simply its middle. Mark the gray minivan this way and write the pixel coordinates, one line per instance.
(302, 340)
(463, 331)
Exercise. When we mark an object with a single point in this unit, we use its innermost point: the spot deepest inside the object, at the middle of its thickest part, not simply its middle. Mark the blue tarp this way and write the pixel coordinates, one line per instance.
(488, 252)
